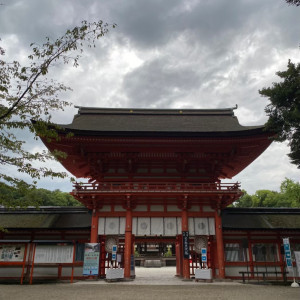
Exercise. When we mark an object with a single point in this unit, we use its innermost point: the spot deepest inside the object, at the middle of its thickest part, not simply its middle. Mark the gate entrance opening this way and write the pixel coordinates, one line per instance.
(155, 253)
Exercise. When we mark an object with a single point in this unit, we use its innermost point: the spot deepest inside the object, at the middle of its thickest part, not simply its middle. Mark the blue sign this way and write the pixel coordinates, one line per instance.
(203, 254)
(113, 256)
(91, 259)
(289, 263)
(287, 252)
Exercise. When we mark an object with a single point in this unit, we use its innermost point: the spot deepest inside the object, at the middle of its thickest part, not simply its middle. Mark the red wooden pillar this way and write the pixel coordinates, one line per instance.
(250, 254)
(280, 256)
(220, 244)
(185, 227)
(102, 256)
(128, 241)
(178, 247)
(94, 227)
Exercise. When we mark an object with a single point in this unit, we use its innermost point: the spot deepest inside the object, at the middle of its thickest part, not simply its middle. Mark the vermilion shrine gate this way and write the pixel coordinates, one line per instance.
(156, 174)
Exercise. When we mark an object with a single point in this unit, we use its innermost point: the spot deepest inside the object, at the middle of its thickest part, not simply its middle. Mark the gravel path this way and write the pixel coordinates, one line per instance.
(149, 284)
(124, 292)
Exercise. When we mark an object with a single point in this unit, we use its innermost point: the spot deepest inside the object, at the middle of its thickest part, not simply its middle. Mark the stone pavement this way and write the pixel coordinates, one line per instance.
(156, 276)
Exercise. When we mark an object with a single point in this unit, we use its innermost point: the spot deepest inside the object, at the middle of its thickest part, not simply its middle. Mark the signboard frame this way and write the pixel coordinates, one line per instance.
(54, 254)
(52, 261)
(22, 263)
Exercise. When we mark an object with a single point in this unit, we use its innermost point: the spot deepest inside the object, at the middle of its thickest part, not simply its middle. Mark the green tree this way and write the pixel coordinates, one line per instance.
(263, 198)
(244, 201)
(39, 197)
(284, 109)
(289, 196)
(291, 192)
(26, 93)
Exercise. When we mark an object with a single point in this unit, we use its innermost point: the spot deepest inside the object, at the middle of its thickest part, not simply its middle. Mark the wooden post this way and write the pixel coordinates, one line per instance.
(178, 246)
(220, 244)
(32, 265)
(94, 227)
(24, 263)
(128, 240)
(59, 270)
(185, 227)
(250, 255)
(102, 257)
(73, 262)
(280, 257)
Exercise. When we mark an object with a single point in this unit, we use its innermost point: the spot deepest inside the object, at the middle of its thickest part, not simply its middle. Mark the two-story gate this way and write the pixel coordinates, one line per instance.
(155, 176)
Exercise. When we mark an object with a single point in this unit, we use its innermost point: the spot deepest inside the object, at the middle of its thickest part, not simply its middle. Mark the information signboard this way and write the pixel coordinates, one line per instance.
(54, 254)
(186, 244)
(91, 259)
(12, 253)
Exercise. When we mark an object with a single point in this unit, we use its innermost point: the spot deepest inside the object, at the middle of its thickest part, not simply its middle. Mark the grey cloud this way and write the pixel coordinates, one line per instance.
(158, 82)
(196, 54)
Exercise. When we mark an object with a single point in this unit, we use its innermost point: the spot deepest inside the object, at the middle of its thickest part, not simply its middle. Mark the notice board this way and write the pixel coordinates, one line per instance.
(54, 254)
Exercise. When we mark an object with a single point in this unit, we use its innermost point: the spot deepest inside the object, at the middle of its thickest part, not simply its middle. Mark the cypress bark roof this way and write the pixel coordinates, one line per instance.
(261, 218)
(45, 218)
(80, 218)
(158, 122)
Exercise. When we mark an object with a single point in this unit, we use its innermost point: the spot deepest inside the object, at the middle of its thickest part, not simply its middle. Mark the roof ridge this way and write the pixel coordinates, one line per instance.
(151, 111)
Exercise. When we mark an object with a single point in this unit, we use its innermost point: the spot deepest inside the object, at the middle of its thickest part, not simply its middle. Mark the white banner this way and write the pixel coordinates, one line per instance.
(297, 257)
(54, 254)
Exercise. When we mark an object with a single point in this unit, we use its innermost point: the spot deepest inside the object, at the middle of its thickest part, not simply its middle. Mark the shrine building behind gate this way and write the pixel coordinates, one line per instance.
(155, 175)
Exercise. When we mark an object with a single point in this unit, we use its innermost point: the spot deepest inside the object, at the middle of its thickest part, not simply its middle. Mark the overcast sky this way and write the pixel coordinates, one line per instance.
(169, 54)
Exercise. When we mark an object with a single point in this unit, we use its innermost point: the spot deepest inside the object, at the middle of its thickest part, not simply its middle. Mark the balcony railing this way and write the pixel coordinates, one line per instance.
(146, 187)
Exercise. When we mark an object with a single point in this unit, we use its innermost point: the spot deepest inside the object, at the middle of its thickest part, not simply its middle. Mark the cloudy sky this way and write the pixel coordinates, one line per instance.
(169, 54)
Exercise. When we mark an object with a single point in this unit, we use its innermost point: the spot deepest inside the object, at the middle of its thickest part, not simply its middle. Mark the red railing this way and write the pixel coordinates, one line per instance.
(141, 187)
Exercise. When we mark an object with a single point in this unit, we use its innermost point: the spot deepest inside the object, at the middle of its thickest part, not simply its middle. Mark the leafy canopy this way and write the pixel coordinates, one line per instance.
(284, 109)
(40, 197)
(27, 94)
(289, 196)
(293, 2)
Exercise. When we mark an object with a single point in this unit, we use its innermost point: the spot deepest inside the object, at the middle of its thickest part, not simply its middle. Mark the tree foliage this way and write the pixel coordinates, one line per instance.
(289, 196)
(15, 197)
(293, 2)
(284, 109)
(26, 93)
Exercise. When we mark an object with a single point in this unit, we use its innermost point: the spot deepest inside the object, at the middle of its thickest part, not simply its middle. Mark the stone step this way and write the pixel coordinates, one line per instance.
(153, 263)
